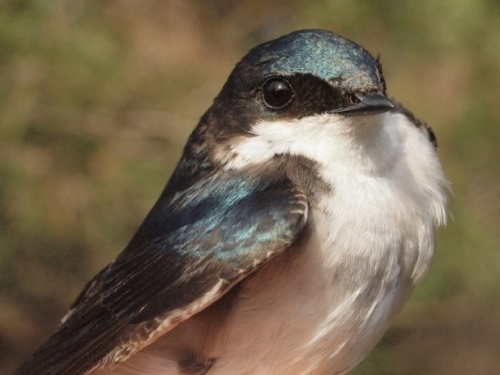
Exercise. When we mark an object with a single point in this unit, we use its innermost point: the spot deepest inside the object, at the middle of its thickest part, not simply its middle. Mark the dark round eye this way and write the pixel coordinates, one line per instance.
(277, 93)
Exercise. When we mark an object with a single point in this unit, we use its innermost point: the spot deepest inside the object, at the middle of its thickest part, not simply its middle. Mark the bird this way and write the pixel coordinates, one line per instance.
(296, 224)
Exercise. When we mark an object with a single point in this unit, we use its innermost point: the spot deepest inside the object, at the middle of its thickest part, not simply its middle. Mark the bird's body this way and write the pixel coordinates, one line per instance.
(291, 233)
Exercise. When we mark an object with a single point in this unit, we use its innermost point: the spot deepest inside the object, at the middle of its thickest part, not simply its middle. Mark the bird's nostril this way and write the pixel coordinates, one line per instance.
(353, 99)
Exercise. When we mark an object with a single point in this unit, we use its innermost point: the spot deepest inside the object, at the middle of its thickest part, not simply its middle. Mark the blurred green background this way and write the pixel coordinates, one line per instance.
(97, 98)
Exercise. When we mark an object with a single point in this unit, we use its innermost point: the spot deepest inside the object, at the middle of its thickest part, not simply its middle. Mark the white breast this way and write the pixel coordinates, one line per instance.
(319, 310)
(373, 239)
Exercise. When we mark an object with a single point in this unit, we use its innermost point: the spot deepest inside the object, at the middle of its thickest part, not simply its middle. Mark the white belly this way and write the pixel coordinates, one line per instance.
(319, 308)
(316, 309)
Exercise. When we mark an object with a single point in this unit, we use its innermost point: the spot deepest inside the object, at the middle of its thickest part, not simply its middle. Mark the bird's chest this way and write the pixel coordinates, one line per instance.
(321, 305)
(325, 303)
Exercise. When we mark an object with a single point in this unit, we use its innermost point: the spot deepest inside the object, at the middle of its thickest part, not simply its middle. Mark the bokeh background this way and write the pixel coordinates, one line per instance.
(97, 98)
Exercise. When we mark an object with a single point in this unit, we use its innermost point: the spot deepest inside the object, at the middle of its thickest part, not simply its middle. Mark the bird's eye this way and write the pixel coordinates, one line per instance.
(277, 93)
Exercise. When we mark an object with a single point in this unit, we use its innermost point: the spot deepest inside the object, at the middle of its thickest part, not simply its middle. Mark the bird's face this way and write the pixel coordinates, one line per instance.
(297, 93)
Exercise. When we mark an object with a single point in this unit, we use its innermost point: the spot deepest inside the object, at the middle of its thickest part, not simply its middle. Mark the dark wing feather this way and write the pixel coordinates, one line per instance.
(188, 253)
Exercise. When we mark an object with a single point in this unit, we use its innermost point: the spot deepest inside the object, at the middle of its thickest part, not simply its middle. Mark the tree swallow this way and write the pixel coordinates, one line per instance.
(294, 228)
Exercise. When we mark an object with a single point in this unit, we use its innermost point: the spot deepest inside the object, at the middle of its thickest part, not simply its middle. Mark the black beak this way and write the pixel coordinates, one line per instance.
(369, 103)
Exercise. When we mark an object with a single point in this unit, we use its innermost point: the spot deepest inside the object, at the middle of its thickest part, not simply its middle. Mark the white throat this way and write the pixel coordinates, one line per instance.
(386, 146)
(352, 142)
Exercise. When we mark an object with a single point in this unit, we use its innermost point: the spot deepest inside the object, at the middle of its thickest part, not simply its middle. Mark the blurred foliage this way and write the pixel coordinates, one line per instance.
(98, 97)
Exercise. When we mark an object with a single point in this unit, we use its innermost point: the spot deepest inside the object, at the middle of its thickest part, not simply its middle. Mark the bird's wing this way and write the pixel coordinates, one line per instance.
(186, 255)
